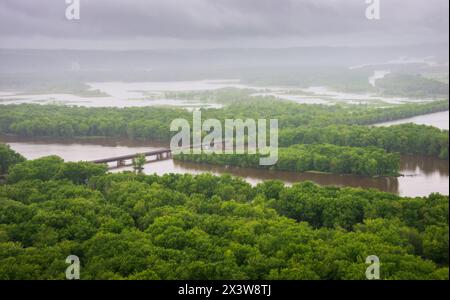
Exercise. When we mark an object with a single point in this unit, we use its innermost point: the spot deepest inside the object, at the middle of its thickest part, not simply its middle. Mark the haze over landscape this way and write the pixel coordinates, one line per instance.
(86, 108)
(140, 24)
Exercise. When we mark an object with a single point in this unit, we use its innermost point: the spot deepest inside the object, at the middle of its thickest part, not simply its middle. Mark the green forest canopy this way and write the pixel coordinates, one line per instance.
(134, 226)
(328, 158)
(154, 122)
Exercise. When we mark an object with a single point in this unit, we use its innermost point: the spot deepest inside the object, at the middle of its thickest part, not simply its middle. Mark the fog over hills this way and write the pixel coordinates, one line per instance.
(145, 60)
(204, 39)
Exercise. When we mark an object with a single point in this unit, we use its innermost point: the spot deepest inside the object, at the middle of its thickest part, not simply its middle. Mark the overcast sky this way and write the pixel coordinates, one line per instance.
(149, 24)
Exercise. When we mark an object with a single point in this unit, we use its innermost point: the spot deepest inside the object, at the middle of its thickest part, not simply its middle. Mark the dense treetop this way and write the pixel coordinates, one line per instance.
(154, 122)
(404, 138)
(134, 226)
(368, 161)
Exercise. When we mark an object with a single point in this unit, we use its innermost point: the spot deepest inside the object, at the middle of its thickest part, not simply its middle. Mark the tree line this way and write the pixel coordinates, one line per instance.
(403, 138)
(153, 123)
(329, 158)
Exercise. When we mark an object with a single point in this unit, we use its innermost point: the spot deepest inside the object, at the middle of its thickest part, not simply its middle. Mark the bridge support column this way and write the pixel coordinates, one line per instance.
(121, 163)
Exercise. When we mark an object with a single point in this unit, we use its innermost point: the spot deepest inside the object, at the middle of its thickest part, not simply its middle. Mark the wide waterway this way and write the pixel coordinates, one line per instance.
(422, 175)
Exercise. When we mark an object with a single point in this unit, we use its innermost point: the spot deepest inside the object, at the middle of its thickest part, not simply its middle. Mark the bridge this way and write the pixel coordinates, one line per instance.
(157, 155)
(121, 161)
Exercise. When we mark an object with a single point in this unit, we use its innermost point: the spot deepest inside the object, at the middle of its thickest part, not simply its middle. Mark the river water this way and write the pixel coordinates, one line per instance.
(439, 120)
(423, 175)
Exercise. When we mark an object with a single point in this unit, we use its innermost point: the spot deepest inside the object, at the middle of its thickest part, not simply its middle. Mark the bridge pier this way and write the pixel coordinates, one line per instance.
(121, 163)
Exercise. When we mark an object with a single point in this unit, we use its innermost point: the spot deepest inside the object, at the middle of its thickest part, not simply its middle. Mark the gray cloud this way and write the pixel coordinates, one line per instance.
(137, 23)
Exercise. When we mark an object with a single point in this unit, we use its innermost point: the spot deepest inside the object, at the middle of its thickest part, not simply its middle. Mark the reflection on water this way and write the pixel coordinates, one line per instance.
(255, 176)
(423, 175)
(413, 165)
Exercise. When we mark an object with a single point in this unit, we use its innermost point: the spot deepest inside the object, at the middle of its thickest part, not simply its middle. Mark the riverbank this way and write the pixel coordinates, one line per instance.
(423, 175)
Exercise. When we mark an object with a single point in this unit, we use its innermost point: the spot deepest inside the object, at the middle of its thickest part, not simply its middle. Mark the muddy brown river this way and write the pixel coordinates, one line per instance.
(422, 175)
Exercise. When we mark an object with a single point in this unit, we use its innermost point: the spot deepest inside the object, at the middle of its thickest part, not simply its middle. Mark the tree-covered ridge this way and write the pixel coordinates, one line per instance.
(129, 226)
(66, 122)
(368, 161)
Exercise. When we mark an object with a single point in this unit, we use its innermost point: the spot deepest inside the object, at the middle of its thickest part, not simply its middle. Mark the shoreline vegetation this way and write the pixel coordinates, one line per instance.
(311, 137)
(368, 161)
(151, 122)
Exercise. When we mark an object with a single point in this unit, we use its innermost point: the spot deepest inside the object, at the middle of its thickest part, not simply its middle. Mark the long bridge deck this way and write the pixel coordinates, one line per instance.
(159, 154)
(132, 156)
